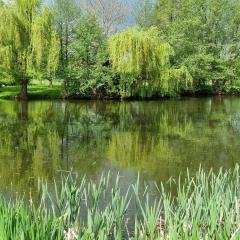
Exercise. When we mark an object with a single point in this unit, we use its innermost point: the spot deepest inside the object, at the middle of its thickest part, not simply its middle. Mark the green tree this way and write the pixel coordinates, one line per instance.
(143, 60)
(66, 15)
(203, 33)
(89, 72)
(28, 45)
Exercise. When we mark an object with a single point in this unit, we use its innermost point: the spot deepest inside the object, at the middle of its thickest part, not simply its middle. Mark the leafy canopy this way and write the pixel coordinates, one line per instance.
(205, 36)
(143, 60)
(88, 73)
(28, 44)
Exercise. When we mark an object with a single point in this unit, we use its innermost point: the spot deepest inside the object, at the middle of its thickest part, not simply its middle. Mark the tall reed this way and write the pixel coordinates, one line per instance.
(205, 206)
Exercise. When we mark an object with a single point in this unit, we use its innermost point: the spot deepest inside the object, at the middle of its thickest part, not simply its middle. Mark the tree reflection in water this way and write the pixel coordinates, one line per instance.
(157, 139)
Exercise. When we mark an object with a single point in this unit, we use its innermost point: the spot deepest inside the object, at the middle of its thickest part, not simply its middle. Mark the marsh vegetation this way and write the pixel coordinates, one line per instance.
(205, 206)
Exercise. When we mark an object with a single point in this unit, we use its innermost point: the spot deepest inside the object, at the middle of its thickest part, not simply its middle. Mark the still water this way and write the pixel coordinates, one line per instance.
(158, 139)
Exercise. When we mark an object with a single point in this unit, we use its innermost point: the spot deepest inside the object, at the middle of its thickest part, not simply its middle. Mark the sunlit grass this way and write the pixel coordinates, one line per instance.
(35, 92)
(206, 206)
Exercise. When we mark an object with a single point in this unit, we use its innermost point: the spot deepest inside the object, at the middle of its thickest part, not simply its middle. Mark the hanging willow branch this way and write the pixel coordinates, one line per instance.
(28, 44)
(144, 63)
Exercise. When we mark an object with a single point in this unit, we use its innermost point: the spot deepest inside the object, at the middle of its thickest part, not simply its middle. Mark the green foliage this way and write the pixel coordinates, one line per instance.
(205, 37)
(209, 71)
(66, 15)
(89, 72)
(53, 57)
(19, 221)
(205, 206)
(177, 45)
(143, 60)
(28, 45)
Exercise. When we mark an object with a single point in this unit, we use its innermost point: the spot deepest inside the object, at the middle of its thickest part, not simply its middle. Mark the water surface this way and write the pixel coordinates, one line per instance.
(158, 139)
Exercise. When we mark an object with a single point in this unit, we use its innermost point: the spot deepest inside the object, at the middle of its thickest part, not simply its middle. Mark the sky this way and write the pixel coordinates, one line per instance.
(130, 18)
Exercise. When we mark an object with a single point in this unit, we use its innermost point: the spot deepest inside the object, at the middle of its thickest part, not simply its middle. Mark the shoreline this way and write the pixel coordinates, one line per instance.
(44, 92)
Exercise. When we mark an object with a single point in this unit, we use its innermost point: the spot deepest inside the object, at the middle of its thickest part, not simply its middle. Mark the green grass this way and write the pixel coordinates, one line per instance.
(34, 92)
(206, 206)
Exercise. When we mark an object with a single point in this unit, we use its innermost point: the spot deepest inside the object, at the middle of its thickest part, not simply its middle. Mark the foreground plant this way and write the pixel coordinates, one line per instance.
(206, 206)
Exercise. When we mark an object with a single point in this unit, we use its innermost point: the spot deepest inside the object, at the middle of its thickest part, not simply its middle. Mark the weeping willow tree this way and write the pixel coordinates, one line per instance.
(28, 44)
(143, 62)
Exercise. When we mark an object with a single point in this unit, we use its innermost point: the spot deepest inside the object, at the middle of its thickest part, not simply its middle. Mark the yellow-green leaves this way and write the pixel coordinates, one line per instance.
(28, 43)
(143, 59)
(132, 50)
(53, 55)
(41, 34)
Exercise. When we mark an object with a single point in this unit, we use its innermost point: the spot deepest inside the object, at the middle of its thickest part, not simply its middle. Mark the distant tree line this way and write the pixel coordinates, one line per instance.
(175, 46)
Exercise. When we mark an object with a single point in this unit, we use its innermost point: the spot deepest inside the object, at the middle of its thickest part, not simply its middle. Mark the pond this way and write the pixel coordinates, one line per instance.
(158, 139)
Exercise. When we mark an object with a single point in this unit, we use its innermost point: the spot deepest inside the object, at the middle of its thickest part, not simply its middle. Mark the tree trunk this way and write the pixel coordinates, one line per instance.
(51, 83)
(24, 91)
(66, 42)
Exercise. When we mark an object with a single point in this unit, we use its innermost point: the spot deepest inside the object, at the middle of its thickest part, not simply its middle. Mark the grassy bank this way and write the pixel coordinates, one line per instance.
(34, 91)
(204, 207)
(43, 91)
